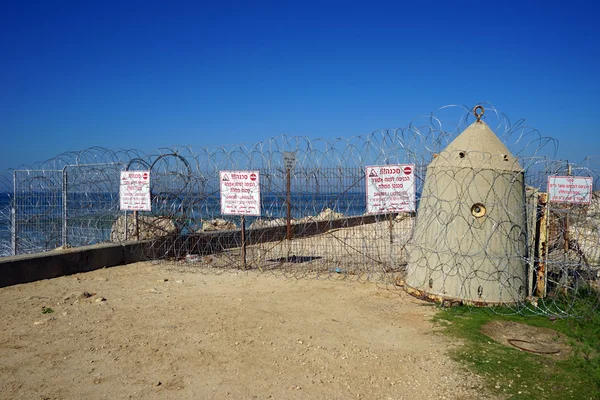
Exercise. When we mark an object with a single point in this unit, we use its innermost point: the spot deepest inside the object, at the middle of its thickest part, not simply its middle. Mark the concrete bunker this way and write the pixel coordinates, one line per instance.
(470, 238)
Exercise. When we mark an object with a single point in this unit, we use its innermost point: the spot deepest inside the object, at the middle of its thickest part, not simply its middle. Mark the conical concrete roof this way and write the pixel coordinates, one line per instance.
(477, 147)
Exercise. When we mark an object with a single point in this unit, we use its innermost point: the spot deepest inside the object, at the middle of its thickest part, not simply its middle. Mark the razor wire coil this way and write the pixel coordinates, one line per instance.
(73, 200)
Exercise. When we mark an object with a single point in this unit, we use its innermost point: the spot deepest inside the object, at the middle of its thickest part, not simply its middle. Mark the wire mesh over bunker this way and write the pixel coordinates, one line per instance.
(470, 238)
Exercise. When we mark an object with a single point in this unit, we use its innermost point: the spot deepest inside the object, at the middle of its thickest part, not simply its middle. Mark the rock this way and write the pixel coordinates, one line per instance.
(326, 215)
(530, 190)
(38, 298)
(593, 209)
(43, 321)
(100, 299)
(402, 216)
(585, 237)
(148, 227)
(192, 258)
(533, 301)
(218, 224)
(329, 214)
(78, 296)
(265, 223)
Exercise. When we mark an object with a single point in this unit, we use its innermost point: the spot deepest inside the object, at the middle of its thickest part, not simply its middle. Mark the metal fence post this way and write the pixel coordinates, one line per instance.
(65, 232)
(288, 203)
(566, 219)
(541, 245)
(13, 217)
(289, 162)
(532, 236)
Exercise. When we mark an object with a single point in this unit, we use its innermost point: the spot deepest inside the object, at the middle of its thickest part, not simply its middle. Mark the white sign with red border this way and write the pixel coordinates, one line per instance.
(134, 191)
(240, 193)
(570, 189)
(390, 188)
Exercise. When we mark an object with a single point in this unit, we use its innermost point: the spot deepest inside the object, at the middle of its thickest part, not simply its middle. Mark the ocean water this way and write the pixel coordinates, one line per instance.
(39, 217)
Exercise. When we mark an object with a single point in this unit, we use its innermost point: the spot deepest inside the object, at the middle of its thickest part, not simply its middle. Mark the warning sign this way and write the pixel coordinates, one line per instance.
(134, 191)
(570, 189)
(390, 188)
(240, 193)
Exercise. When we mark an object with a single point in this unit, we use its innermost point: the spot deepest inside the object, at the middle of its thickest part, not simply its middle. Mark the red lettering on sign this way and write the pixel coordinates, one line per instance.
(389, 171)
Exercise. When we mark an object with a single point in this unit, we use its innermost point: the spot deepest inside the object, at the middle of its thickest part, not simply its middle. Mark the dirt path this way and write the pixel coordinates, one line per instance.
(165, 333)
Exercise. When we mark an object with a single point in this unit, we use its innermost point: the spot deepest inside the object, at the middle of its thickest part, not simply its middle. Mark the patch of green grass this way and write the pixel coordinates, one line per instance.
(47, 310)
(517, 374)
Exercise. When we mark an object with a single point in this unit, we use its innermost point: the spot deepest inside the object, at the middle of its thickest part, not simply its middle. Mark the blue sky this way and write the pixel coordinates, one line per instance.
(134, 74)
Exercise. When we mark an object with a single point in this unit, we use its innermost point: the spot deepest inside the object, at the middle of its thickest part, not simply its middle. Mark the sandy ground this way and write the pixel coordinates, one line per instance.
(162, 331)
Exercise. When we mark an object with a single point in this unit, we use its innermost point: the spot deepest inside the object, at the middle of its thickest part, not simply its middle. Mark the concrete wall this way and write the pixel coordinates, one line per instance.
(51, 264)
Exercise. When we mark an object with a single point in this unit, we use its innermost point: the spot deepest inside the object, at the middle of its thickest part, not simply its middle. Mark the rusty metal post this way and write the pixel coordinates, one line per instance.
(541, 245)
(289, 162)
(532, 218)
(288, 200)
(137, 226)
(391, 228)
(244, 241)
(125, 233)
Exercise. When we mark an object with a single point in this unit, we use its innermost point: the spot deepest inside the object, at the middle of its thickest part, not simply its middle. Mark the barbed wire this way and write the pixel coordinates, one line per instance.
(73, 200)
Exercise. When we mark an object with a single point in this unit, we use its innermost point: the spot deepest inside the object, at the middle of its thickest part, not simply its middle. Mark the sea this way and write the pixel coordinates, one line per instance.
(39, 218)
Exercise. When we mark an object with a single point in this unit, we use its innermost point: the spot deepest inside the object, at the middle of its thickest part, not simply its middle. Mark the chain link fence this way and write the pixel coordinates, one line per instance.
(73, 200)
